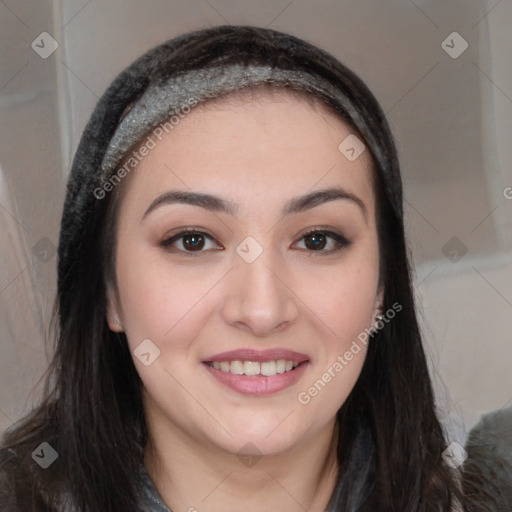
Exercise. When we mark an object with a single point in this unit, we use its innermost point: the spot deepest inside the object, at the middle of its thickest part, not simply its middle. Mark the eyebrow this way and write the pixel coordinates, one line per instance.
(218, 204)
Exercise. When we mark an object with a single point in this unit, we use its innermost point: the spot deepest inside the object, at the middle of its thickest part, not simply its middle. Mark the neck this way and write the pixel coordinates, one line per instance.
(196, 477)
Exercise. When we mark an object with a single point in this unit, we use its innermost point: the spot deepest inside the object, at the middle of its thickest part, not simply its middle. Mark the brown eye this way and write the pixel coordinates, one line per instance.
(316, 241)
(193, 242)
(189, 241)
(324, 242)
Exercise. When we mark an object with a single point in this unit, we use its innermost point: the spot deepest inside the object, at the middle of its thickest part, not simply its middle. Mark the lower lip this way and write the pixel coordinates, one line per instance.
(258, 384)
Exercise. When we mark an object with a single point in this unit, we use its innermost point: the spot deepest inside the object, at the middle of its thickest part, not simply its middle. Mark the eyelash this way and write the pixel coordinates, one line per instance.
(341, 241)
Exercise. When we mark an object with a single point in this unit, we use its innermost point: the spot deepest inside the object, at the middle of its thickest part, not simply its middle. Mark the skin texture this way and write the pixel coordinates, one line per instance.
(259, 153)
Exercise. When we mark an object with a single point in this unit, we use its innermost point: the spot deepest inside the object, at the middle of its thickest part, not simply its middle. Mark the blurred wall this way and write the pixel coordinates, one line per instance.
(31, 192)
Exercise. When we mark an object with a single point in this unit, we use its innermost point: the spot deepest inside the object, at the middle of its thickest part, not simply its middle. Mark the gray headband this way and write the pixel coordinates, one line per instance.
(162, 100)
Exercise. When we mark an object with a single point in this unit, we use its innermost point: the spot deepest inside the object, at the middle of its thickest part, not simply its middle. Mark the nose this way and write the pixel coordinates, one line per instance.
(258, 298)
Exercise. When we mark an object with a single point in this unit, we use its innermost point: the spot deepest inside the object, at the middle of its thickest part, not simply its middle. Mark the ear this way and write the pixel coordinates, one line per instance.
(113, 311)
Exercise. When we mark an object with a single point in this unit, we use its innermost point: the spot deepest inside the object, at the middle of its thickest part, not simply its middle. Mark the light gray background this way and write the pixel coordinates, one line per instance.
(452, 119)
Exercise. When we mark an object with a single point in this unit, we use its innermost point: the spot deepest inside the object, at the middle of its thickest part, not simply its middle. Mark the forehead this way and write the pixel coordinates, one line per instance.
(264, 133)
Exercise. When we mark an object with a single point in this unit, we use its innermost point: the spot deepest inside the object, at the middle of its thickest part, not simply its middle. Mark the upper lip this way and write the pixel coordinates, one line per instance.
(258, 356)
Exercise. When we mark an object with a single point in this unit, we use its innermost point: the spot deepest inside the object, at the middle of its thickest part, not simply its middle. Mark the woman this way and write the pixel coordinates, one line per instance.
(237, 322)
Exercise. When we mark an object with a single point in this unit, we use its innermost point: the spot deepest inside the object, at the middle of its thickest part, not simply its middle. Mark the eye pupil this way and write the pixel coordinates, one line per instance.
(193, 241)
(315, 241)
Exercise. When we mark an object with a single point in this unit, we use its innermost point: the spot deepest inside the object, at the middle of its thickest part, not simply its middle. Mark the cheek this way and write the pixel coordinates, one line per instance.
(342, 298)
(343, 304)
(158, 300)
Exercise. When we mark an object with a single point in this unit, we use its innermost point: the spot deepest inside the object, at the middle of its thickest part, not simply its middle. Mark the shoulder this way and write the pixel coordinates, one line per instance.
(487, 471)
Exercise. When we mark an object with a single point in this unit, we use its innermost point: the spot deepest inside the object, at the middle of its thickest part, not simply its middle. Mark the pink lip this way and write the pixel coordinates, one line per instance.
(258, 384)
(258, 356)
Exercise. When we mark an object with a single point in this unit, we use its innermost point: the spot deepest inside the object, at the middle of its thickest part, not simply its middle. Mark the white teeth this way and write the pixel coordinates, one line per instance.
(280, 366)
(267, 368)
(237, 367)
(251, 368)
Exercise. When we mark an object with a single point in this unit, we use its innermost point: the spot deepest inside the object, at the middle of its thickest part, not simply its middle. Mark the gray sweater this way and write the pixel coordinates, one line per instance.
(150, 498)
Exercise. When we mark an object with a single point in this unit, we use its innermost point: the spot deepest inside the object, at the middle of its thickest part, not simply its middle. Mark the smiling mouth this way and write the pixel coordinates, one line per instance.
(253, 368)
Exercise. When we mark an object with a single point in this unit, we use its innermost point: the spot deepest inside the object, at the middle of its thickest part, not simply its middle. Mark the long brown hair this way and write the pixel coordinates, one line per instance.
(390, 440)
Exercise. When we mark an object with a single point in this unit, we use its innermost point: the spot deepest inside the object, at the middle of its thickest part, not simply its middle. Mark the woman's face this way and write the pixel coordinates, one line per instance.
(264, 281)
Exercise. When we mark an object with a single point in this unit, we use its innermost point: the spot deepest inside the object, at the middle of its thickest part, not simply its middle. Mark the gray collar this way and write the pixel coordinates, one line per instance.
(151, 501)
